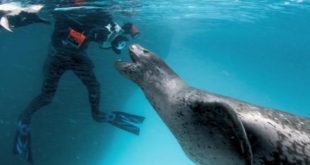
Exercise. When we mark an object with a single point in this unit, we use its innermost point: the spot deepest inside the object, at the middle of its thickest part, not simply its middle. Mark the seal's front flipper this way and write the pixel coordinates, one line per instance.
(224, 116)
(22, 141)
(25, 18)
(125, 121)
(4, 22)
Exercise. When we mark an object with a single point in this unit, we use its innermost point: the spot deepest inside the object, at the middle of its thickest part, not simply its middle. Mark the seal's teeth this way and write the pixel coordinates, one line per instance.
(123, 64)
(125, 67)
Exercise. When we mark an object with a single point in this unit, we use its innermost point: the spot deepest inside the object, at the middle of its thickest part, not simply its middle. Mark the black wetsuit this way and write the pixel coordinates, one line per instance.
(64, 54)
(74, 30)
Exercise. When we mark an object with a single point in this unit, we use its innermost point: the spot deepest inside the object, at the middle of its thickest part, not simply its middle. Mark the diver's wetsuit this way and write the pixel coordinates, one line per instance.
(71, 36)
(64, 54)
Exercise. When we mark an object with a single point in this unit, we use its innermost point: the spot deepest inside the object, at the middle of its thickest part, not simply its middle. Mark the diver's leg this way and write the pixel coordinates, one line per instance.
(53, 72)
(22, 142)
(122, 120)
(83, 68)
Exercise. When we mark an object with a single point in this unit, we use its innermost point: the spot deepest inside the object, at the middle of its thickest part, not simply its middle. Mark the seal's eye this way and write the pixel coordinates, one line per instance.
(145, 51)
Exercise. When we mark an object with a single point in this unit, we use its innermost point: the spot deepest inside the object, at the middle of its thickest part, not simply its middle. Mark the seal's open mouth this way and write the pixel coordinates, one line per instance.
(135, 52)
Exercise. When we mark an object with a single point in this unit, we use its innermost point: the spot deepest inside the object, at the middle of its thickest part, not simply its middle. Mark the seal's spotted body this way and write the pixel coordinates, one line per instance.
(214, 129)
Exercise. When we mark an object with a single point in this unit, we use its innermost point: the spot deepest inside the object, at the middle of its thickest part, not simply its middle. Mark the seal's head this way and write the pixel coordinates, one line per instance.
(146, 68)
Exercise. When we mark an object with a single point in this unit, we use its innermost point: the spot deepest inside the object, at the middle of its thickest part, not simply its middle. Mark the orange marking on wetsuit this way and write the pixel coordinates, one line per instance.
(78, 37)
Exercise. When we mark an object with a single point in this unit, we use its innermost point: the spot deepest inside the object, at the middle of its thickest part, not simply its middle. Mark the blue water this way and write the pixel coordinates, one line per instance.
(253, 51)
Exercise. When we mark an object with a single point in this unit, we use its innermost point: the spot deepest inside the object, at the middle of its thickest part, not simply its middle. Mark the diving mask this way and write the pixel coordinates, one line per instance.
(119, 43)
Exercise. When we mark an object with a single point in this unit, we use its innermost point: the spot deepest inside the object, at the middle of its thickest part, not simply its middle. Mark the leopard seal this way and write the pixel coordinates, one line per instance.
(214, 129)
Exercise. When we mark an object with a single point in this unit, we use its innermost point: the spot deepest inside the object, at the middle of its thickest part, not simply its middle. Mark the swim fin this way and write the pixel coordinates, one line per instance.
(125, 121)
(22, 141)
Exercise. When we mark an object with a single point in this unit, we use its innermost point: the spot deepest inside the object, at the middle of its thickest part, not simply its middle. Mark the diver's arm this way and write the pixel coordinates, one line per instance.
(99, 36)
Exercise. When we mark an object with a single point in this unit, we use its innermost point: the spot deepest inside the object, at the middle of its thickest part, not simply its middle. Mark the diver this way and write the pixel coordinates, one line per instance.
(74, 29)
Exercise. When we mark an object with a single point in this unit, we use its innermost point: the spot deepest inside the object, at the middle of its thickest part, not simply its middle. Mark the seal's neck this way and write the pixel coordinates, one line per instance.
(164, 86)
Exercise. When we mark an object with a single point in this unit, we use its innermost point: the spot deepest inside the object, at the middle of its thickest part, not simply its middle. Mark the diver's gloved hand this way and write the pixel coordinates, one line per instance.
(22, 141)
(122, 120)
